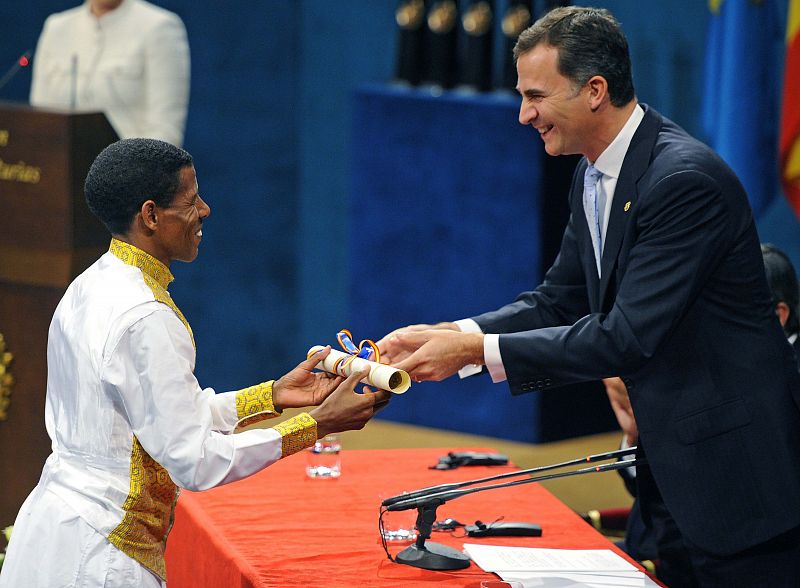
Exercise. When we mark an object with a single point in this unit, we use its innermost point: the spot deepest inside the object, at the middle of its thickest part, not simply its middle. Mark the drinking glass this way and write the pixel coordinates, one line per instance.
(324, 459)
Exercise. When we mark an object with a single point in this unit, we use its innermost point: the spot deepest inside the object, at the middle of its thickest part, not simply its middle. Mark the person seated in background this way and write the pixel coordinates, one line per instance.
(638, 542)
(783, 285)
(782, 279)
(129, 422)
(127, 58)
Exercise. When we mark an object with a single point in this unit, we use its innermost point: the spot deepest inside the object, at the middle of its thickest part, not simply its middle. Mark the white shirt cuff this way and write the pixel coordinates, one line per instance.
(469, 326)
(625, 445)
(491, 355)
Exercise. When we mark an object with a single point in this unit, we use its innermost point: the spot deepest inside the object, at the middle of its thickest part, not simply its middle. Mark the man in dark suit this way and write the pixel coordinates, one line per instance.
(659, 280)
(783, 286)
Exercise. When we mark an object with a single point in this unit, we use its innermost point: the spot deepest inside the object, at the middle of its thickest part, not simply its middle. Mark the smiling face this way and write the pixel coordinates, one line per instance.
(180, 224)
(551, 104)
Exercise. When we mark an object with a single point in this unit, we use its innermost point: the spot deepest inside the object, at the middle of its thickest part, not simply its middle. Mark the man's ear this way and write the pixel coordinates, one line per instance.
(149, 214)
(782, 310)
(598, 92)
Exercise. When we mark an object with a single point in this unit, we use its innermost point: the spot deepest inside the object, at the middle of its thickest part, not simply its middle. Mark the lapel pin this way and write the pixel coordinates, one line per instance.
(627, 206)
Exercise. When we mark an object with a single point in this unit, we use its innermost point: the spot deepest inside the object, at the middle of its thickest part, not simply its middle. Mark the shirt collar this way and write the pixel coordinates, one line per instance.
(149, 265)
(610, 160)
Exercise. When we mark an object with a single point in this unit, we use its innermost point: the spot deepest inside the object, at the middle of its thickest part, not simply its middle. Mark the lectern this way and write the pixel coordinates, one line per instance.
(47, 237)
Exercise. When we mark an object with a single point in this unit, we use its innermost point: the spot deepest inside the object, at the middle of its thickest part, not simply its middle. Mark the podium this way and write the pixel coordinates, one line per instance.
(47, 237)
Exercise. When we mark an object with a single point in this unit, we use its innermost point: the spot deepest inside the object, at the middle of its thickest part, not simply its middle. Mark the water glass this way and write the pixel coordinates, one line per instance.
(324, 459)
(399, 525)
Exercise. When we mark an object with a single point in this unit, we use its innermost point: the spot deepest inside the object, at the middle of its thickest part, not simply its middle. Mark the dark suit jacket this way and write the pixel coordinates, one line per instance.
(684, 314)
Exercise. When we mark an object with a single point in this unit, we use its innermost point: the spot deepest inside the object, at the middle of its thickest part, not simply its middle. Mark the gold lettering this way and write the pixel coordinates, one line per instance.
(6, 379)
(20, 172)
(3, 138)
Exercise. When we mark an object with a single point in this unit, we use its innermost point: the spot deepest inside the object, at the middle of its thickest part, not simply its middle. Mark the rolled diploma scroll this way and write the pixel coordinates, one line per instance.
(380, 375)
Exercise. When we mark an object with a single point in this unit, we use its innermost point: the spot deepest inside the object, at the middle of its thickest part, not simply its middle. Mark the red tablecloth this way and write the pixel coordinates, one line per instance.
(279, 528)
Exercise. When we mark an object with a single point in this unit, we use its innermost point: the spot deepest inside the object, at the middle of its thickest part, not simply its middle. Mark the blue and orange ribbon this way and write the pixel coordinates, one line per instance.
(367, 349)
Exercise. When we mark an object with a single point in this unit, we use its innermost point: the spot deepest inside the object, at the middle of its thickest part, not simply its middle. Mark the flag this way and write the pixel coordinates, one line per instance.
(790, 116)
(741, 100)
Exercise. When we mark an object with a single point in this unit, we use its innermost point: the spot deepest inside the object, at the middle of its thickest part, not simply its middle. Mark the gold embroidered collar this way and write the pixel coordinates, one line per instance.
(149, 265)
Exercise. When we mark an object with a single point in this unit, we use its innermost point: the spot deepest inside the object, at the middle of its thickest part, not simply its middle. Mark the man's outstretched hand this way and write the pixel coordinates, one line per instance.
(303, 387)
(393, 351)
(436, 354)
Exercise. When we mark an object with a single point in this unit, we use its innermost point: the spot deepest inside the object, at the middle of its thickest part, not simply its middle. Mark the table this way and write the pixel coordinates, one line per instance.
(279, 528)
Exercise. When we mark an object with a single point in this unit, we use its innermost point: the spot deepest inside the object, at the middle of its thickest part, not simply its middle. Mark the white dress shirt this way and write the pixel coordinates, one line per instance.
(132, 63)
(609, 163)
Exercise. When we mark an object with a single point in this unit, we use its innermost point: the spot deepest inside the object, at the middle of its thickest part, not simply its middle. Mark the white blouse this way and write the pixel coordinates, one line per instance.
(132, 63)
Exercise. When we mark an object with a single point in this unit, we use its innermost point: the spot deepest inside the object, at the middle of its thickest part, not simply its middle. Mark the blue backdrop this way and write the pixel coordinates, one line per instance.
(270, 125)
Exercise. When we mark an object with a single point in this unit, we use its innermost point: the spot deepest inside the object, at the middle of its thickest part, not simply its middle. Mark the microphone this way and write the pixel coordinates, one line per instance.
(434, 556)
(23, 61)
(439, 498)
(455, 485)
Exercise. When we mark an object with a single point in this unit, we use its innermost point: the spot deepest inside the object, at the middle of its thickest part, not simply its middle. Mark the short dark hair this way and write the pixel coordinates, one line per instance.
(590, 42)
(129, 172)
(782, 280)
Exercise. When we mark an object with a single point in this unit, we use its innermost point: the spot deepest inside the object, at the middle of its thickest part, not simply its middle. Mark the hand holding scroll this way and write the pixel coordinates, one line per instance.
(302, 386)
(393, 352)
(346, 410)
(437, 354)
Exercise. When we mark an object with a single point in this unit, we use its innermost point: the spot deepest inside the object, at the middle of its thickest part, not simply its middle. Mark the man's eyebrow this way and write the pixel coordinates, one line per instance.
(531, 92)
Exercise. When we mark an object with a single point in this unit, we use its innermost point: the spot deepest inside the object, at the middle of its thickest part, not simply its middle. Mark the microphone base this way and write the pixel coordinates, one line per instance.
(433, 556)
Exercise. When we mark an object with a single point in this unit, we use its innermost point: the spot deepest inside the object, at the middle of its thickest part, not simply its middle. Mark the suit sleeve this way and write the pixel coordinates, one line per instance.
(682, 230)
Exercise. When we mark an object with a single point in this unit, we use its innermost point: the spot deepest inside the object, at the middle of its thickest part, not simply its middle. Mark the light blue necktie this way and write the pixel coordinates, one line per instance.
(593, 209)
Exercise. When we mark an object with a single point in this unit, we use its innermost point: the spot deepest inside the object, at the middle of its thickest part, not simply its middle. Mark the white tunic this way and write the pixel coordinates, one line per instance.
(129, 423)
(132, 63)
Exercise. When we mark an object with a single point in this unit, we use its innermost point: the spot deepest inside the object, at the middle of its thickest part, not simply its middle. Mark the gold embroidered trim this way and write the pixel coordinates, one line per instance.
(149, 513)
(149, 265)
(6, 379)
(156, 275)
(297, 433)
(150, 505)
(254, 404)
(255, 399)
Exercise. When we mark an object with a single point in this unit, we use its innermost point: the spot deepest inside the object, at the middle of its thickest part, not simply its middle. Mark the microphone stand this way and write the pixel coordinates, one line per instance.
(431, 556)
(15, 68)
(435, 556)
(452, 486)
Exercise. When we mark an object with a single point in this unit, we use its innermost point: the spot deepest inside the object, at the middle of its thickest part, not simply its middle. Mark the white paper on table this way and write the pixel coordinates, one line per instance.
(580, 579)
(380, 375)
(495, 558)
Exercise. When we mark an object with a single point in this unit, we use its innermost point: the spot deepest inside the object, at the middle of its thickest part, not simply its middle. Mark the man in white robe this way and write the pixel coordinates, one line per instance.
(129, 423)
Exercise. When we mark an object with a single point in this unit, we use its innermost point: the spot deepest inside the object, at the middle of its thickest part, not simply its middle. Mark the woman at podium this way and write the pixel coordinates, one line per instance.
(127, 58)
